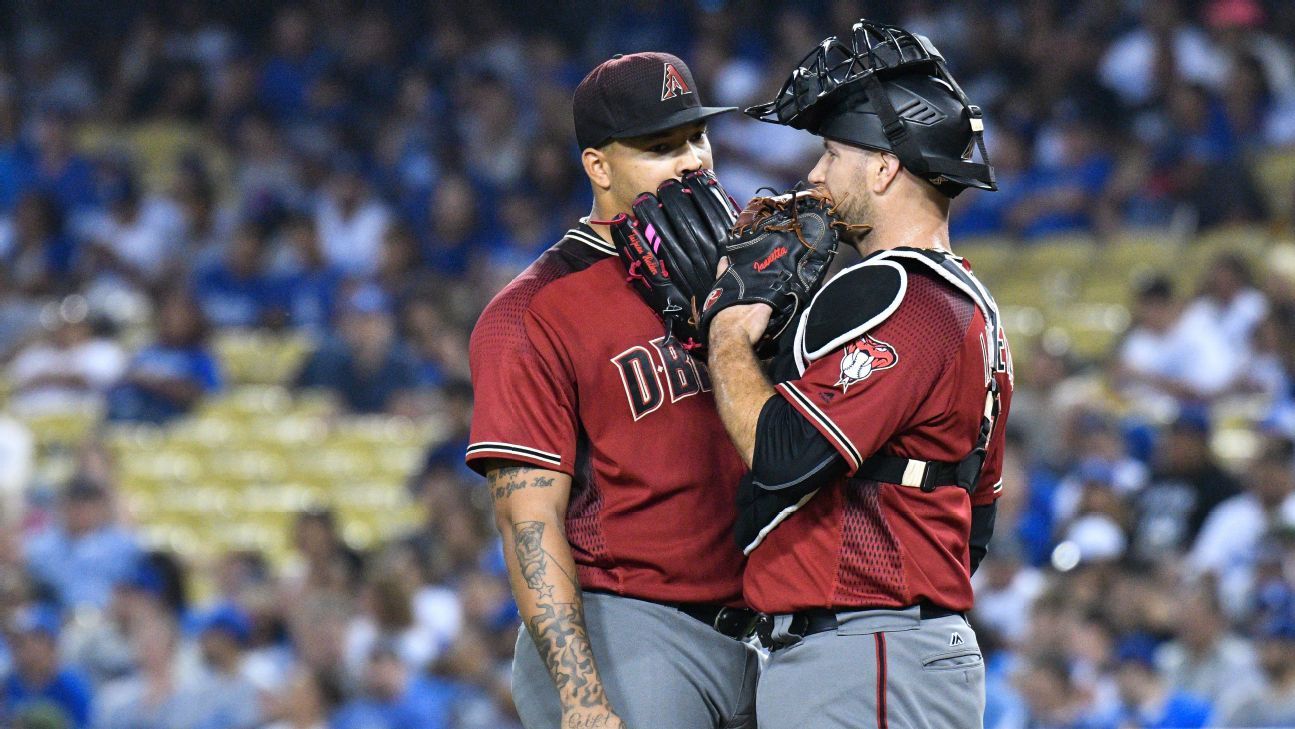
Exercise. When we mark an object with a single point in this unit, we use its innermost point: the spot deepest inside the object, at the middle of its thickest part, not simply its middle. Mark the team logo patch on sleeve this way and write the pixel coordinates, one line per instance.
(673, 84)
(861, 359)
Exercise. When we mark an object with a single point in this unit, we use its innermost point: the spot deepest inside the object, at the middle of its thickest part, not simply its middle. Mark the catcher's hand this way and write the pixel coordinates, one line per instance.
(778, 253)
(671, 245)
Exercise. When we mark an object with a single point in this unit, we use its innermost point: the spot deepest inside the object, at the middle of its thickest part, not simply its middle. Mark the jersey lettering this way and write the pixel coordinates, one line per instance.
(639, 375)
(680, 370)
(703, 372)
(1005, 357)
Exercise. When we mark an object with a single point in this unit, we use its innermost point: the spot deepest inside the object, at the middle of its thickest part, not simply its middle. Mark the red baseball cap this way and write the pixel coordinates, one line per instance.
(630, 95)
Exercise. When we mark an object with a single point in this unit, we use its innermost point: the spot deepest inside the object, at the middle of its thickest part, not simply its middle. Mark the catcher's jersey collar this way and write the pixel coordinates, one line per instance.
(585, 234)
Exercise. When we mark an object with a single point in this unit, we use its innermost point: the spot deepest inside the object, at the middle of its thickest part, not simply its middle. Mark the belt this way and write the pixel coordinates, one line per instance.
(821, 620)
(736, 623)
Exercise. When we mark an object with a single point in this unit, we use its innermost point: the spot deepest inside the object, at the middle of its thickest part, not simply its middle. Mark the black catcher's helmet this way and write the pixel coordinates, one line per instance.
(887, 89)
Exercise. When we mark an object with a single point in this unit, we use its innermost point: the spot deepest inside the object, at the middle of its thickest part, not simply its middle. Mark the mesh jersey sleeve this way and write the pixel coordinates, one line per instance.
(864, 392)
(524, 393)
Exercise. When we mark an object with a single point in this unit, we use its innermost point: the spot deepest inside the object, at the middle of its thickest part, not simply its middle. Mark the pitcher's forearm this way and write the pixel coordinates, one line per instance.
(543, 577)
(548, 596)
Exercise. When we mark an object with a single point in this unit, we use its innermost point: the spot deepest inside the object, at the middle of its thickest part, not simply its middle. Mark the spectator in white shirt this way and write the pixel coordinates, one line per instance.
(1228, 543)
(1229, 304)
(350, 220)
(137, 240)
(69, 370)
(1131, 66)
(1006, 589)
(1165, 359)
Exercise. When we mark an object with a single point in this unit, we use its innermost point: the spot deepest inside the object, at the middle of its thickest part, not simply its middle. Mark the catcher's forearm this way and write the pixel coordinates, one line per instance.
(542, 573)
(740, 387)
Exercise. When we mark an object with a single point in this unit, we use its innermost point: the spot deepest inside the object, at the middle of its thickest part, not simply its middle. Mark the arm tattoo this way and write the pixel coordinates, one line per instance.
(528, 537)
(559, 632)
(504, 481)
(559, 628)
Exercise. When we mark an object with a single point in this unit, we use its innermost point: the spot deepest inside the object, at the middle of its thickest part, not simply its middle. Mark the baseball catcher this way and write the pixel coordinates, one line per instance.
(876, 443)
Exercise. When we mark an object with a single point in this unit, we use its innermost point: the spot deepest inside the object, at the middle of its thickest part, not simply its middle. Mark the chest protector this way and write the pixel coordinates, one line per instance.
(863, 296)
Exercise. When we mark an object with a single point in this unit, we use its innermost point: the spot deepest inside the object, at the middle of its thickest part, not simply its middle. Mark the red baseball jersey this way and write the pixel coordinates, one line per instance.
(913, 386)
(571, 373)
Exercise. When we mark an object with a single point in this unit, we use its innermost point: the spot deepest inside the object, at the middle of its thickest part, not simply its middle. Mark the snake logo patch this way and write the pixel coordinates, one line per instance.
(673, 84)
(861, 359)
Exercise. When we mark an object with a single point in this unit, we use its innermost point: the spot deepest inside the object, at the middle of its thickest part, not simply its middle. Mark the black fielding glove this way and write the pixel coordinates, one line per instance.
(671, 245)
(778, 254)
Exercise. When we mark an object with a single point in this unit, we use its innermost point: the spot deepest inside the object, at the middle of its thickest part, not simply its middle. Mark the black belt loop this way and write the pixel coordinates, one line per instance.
(735, 623)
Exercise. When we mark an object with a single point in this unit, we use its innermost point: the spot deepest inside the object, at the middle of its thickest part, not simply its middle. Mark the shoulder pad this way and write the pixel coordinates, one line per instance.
(854, 302)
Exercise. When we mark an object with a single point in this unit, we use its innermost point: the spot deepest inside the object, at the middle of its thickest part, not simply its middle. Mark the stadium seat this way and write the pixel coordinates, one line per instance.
(68, 428)
(1275, 173)
(260, 358)
(1072, 252)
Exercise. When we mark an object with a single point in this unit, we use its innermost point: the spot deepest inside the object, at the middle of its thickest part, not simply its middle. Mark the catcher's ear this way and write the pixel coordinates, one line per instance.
(882, 171)
(597, 168)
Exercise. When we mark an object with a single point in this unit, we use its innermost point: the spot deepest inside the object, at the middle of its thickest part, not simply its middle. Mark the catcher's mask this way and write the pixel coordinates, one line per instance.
(887, 89)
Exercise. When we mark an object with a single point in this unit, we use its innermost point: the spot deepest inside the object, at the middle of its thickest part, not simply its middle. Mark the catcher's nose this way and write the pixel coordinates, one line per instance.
(818, 175)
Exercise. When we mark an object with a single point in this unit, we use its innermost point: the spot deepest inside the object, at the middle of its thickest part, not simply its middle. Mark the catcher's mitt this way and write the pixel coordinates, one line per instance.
(778, 253)
(671, 244)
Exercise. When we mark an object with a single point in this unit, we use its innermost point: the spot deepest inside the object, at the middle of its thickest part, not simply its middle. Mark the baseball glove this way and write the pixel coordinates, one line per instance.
(778, 253)
(671, 244)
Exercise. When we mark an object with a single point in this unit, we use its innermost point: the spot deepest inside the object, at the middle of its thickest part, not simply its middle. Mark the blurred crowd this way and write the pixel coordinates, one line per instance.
(367, 175)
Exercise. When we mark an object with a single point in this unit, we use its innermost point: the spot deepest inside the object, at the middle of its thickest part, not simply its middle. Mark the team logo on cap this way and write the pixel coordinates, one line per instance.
(864, 357)
(673, 84)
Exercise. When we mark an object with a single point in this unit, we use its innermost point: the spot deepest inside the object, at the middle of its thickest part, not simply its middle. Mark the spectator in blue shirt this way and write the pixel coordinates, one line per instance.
(1052, 697)
(38, 678)
(1198, 157)
(60, 168)
(367, 367)
(986, 214)
(36, 251)
(297, 62)
(1062, 196)
(166, 379)
(453, 225)
(396, 699)
(236, 290)
(17, 160)
(308, 283)
(400, 267)
(86, 555)
(1145, 700)
(221, 695)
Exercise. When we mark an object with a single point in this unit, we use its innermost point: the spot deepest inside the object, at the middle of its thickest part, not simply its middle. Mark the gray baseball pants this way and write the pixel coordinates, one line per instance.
(887, 669)
(661, 669)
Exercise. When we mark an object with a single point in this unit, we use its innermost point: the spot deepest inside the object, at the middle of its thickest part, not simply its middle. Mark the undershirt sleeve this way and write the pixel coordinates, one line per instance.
(790, 453)
(792, 460)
